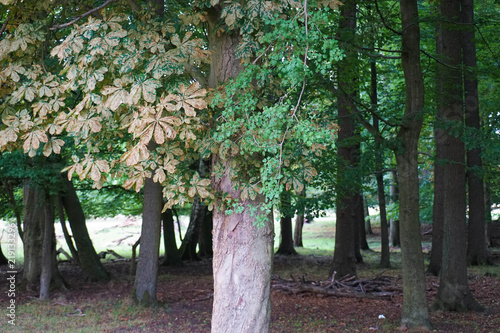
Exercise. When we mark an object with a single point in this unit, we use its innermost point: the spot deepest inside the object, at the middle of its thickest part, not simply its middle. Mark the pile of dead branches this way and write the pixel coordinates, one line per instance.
(348, 286)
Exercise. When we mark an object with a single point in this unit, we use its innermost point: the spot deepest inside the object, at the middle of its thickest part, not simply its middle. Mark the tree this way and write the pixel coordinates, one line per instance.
(286, 232)
(88, 259)
(453, 293)
(414, 312)
(344, 259)
(476, 244)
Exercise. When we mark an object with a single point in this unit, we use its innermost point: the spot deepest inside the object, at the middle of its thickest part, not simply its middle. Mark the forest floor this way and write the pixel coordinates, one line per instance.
(186, 294)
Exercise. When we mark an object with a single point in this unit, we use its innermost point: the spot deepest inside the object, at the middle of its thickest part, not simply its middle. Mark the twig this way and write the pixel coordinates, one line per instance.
(55, 27)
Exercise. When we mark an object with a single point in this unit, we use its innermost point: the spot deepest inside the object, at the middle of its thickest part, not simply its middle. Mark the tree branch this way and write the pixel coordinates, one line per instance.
(55, 27)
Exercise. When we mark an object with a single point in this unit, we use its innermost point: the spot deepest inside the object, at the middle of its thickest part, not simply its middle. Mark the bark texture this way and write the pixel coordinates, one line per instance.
(415, 313)
(147, 268)
(286, 232)
(48, 250)
(344, 258)
(172, 254)
(476, 245)
(453, 292)
(90, 262)
(242, 252)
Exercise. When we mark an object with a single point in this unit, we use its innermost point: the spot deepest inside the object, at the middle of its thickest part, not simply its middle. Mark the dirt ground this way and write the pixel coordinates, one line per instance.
(185, 296)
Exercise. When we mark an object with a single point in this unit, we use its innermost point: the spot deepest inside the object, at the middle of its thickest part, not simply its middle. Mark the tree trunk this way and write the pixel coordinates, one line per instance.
(344, 258)
(453, 293)
(90, 262)
(67, 236)
(205, 240)
(286, 239)
(437, 209)
(299, 223)
(3, 259)
(243, 252)
(192, 236)
(297, 234)
(172, 254)
(476, 245)
(394, 232)
(48, 249)
(385, 260)
(368, 224)
(385, 256)
(144, 291)
(415, 313)
(33, 227)
(242, 266)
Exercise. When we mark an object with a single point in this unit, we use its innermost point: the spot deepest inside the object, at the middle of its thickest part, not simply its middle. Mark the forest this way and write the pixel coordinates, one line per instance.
(249, 166)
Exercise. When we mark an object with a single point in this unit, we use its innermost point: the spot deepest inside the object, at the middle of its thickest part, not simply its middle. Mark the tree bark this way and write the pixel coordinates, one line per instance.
(286, 239)
(33, 226)
(191, 238)
(344, 258)
(394, 232)
(48, 250)
(243, 252)
(453, 293)
(67, 236)
(368, 224)
(90, 263)
(144, 291)
(172, 254)
(205, 240)
(385, 259)
(476, 245)
(297, 233)
(437, 209)
(415, 313)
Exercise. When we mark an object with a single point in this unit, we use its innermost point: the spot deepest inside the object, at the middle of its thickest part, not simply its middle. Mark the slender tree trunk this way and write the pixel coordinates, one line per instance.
(48, 248)
(243, 252)
(299, 224)
(90, 262)
(205, 240)
(144, 291)
(172, 254)
(344, 258)
(286, 241)
(67, 236)
(453, 293)
(368, 224)
(385, 260)
(476, 245)
(415, 313)
(394, 232)
(437, 208)
(191, 238)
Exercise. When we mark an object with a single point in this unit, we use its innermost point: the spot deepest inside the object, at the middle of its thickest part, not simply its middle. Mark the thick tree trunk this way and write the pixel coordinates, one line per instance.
(363, 242)
(476, 245)
(90, 262)
(48, 250)
(144, 291)
(172, 254)
(394, 232)
(344, 258)
(286, 239)
(415, 313)
(453, 292)
(359, 228)
(33, 227)
(243, 252)
(242, 266)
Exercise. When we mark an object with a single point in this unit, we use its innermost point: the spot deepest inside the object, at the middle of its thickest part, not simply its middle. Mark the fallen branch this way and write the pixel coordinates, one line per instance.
(348, 286)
